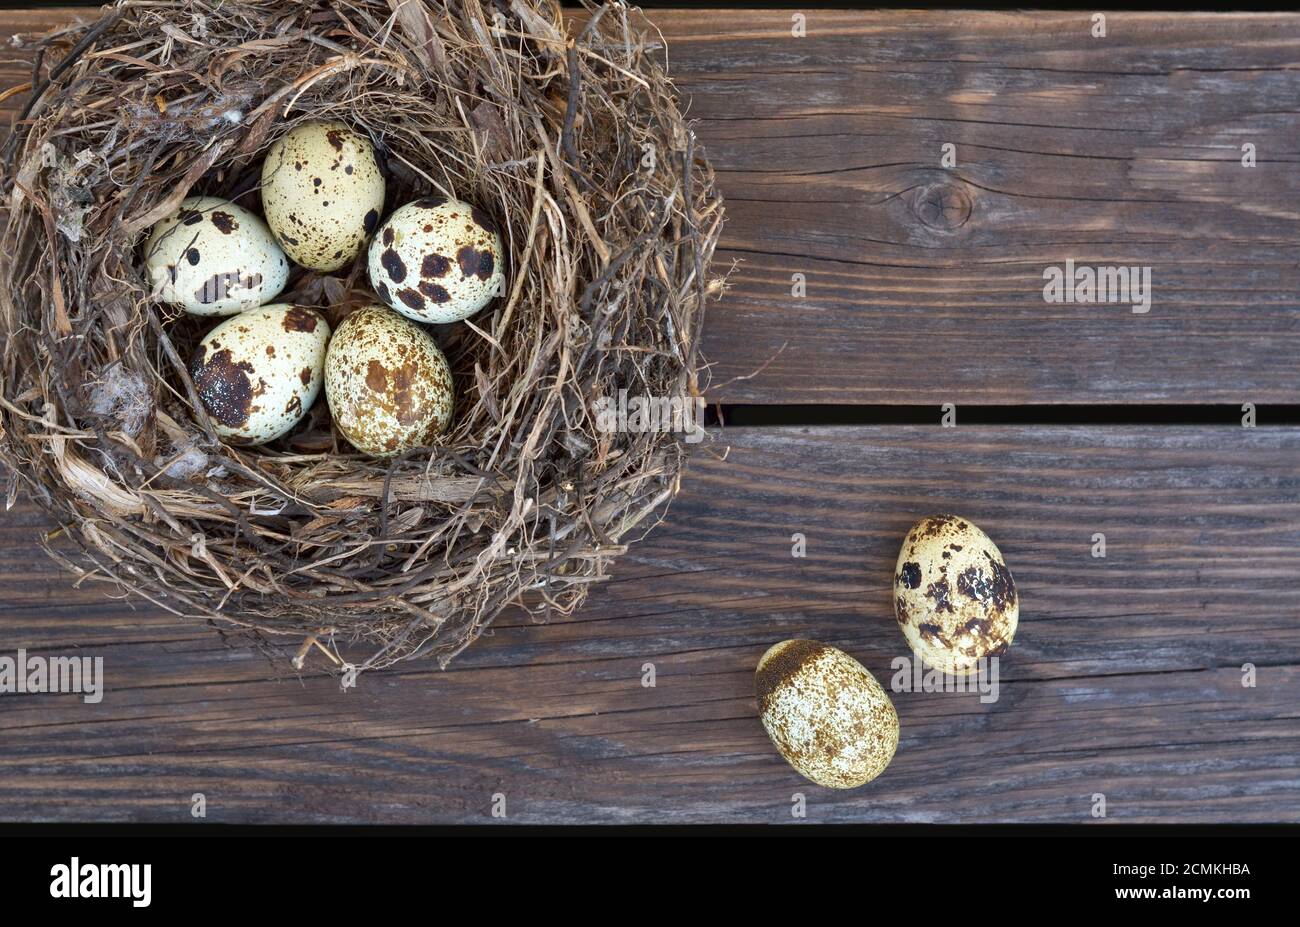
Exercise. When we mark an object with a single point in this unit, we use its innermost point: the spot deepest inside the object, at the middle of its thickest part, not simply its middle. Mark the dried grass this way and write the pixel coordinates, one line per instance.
(527, 502)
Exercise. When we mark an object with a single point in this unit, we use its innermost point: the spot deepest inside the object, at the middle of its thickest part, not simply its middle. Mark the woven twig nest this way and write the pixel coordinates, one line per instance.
(570, 134)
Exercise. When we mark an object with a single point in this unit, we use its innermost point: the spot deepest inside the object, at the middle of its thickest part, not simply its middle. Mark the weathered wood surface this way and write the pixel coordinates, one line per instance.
(1124, 679)
(924, 284)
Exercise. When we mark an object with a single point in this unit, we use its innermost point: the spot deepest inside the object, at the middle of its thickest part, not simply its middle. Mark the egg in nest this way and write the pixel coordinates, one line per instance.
(322, 193)
(388, 385)
(827, 715)
(212, 257)
(258, 373)
(437, 260)
(954, 597)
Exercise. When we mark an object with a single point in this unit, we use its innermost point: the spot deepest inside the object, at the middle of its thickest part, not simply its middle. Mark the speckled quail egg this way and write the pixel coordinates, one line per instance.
(437, 260)
(954, 597)
(825, 713)
(214, 258)
(258, 373)
(322, 193)
(388, 385)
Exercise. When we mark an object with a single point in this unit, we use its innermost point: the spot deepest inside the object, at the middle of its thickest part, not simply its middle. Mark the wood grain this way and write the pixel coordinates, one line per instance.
(924, 284)
(1117, 151)
(1124, 679)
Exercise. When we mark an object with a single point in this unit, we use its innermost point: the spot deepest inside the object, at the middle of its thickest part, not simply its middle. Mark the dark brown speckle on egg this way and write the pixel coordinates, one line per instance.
(393, 265)
(298, 319)
(434, 292)
(474, 263)
(219, 286)
(224, 221)
(435, 265)
(411, 298)
(224, 387)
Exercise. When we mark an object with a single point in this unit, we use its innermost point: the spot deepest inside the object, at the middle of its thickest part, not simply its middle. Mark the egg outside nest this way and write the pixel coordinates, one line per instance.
(954, 598)
(827, 715)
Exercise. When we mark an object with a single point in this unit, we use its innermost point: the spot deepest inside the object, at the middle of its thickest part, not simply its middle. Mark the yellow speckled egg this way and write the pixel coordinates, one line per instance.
(437, 260)
(212, 257)
(825, 713)
(954, 597)
(388, 385)
(258, 373)
(322, 193)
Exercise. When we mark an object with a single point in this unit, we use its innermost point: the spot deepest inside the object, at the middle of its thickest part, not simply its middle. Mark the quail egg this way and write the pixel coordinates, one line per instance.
(258, 373)
(388, 385)
(825, 713)
(214, 258)
(322, 193)
(954, 597)
(437, 260)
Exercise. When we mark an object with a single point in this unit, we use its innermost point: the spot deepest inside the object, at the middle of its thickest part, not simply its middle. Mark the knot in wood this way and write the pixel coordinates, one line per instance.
(942, 206)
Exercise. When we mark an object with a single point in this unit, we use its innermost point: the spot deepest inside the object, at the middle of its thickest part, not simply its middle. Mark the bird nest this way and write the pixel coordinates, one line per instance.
(568, 129)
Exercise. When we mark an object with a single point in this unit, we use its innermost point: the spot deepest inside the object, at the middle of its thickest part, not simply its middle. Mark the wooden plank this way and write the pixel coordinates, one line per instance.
(1117, 151)
(924, 284)
(1125, 677)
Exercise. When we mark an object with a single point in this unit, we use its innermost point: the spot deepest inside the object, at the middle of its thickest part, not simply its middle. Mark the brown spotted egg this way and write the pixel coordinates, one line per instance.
(212, 257)
(258, 373)
(825, 713)
(954, 597)
(388, 385)
(437, 260)
(322, 193)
